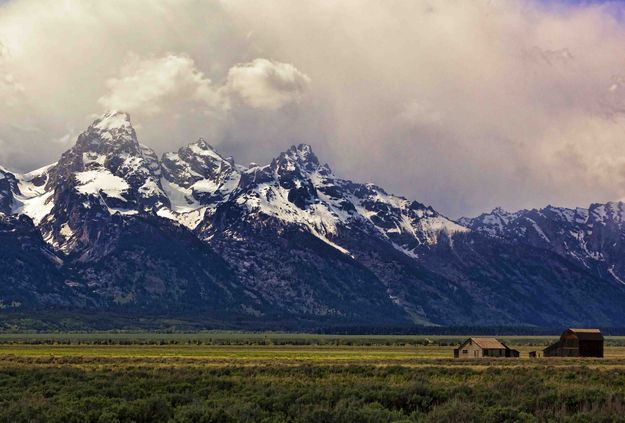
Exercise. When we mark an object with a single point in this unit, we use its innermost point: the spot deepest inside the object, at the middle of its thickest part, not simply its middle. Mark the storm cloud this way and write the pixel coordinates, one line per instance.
(464, 105)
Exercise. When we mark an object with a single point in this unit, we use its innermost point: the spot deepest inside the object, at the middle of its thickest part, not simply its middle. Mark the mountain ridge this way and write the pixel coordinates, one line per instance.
(119, 228)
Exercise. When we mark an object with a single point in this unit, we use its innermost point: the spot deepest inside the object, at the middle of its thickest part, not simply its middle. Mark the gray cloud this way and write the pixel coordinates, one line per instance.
(150, 87)
(463, 105)
(266, 84)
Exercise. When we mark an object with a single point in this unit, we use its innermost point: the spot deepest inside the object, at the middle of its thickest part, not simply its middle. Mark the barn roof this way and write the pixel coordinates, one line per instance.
(489, 343)
(586, 334)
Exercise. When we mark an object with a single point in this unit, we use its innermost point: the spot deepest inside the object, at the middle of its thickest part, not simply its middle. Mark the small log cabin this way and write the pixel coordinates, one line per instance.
(484, 347)
(577, 343)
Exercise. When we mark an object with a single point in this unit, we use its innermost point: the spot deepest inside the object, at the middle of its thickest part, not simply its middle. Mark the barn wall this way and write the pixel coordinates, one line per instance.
(591, 348)
(570, 345)
(470, 350)
(495, 353)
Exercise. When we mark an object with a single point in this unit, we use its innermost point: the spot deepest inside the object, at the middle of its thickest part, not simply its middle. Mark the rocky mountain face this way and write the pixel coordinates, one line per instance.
(106, 173)
(8, 185)
(593, 237)
(111, 226)
(32, 274)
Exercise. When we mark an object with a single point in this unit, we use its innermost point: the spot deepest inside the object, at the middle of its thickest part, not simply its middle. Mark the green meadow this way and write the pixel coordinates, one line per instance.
(271, 377)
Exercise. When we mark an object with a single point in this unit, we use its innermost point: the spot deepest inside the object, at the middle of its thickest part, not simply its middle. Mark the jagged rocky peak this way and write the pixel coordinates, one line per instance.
(25, 194)
(111, 133)
(114, 126)
(196, 175)
(501, 222)
(106, 173)
(110, 142)
(500, 213)
(293, 169)
(195, 162)
(202, 147)
(492, 223)
(298, 158)
(107, 137)
(107, 169)
(613, 211)
(302, 154)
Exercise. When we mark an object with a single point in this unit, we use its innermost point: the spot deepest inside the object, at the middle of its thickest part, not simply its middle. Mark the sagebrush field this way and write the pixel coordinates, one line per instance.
(229, 377)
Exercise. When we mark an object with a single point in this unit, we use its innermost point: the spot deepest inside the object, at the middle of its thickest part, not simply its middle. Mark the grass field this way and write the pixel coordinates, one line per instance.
(228, 377)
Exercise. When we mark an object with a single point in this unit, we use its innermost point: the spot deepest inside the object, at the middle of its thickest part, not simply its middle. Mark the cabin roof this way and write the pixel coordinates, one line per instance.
(487, 343)
(586, 334)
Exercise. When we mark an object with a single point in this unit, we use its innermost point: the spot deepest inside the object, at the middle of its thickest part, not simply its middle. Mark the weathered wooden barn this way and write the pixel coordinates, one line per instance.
(484, 347)
(577, 343)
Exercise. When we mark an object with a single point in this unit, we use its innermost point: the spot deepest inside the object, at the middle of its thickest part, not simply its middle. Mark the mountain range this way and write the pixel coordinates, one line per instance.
(112, 227)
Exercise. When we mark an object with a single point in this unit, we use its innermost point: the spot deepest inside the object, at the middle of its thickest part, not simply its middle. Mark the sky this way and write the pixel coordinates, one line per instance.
(463, 105)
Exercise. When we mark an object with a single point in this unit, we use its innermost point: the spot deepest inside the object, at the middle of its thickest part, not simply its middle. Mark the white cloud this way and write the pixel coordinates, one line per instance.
(152, 86)
(266, 84)
(149, 86)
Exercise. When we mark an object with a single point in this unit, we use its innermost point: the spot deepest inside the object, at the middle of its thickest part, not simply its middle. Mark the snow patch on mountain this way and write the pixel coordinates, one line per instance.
(493, 223)
(66, 231)
(201, 148)
(181, 199)
(96, 182)
(614, 275)
(36, 207)
(273, 201)
(31, 197)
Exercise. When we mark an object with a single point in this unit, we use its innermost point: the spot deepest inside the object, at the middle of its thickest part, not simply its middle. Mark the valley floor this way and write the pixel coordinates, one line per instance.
(297, 378)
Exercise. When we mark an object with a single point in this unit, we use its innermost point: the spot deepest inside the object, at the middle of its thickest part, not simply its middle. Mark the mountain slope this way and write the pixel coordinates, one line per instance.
(594, 238)
(32, 274)
(153, 265)
(432, 268)
(295, 214)
(510, 283)
(111, 227)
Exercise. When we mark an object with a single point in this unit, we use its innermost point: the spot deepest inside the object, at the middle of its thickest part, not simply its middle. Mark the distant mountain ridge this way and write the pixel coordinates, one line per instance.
(592, 237)
(116, 228)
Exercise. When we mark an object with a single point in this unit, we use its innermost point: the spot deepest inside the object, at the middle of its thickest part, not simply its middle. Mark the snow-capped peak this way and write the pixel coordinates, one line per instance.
(612, 211)
(492, 223)
(299, 156)
(107, 170)
(303, 153)
(112, 127)
(203, 145)
(113, 120)
(202, 148)
(196, 178)
(198, 161)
